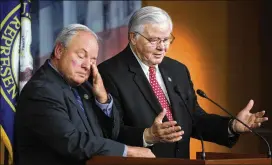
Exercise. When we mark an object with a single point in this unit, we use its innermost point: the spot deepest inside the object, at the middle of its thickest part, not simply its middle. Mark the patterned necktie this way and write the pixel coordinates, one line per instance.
(159, 93)
(79, 101)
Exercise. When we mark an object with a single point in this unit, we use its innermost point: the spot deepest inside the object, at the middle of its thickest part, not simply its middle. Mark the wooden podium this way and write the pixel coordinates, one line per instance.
(219, 159)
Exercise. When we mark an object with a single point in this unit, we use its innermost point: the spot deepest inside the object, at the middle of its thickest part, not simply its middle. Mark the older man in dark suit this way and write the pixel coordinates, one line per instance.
(155, 94)
(63, 120)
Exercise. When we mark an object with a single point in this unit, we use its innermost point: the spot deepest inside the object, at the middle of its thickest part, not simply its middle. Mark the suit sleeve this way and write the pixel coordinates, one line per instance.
(211, 127)
(49, 120)
(128, 135)
(110, 125)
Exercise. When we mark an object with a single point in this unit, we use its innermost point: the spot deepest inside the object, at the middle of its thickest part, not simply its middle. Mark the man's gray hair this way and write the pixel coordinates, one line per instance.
(148, 14)
(69, 31)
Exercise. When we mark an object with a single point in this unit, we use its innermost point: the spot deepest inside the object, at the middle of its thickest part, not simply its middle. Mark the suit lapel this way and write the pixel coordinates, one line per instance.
(87, 100)
(147, 91)
(141, 81)
(89, 121)
(170, 86)
(72, 98)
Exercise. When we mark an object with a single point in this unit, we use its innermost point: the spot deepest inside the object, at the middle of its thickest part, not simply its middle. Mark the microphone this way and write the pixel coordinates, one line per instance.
(202, 94)
(203, 154)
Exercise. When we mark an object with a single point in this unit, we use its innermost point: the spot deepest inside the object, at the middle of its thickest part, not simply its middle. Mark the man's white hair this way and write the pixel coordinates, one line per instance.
(146, 15)
(69, 31)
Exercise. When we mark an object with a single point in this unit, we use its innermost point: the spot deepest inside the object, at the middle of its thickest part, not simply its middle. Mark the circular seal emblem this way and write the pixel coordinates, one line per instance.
(9, 55)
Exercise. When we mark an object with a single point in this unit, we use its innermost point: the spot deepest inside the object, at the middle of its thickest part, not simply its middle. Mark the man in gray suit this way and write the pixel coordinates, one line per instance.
(61, 118)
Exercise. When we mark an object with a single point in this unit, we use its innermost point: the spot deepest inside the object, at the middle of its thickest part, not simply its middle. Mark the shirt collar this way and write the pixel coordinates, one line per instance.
(143, 66)
(50, 64)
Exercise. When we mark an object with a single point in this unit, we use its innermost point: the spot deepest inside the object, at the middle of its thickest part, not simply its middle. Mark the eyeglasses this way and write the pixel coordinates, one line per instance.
(155, 41)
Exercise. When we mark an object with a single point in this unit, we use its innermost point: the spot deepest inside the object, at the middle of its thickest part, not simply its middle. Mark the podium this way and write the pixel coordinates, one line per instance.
(219, 159)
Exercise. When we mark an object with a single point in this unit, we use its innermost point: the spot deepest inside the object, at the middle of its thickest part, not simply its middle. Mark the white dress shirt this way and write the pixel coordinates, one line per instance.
(158, 75)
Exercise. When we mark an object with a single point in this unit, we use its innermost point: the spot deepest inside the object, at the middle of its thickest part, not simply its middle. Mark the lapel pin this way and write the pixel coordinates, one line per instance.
(169, 79)
(86, 96)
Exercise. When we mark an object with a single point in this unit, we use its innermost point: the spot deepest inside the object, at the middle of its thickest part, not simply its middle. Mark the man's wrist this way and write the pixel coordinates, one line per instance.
(231, 127)
(104, 100)
(148, 136)
(145, 142)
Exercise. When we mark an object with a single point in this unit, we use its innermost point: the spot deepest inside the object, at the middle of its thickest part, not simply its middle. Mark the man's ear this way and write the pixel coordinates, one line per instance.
(132, 38)
(58, 51)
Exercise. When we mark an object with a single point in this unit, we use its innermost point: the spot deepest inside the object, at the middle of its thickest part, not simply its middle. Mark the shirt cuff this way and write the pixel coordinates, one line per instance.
(230, 134)
(106, 107)
(125, 151)
(145, 144)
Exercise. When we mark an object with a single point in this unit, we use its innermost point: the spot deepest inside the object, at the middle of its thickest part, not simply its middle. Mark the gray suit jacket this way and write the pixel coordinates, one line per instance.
(50, 127)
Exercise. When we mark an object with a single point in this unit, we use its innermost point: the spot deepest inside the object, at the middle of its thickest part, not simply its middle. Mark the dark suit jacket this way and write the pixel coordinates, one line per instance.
(50, 127)
(133, 96)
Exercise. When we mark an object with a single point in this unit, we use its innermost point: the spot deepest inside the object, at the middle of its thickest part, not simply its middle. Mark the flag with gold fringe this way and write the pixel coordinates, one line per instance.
(16, 66)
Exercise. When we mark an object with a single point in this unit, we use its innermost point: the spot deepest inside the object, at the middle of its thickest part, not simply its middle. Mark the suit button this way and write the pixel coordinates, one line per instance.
(177, 150)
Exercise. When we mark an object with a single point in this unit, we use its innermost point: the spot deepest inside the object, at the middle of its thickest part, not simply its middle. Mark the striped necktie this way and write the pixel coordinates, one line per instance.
(79, 101)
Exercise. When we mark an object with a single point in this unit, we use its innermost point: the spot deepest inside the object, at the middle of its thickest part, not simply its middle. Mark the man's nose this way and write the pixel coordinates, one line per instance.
(86, 64)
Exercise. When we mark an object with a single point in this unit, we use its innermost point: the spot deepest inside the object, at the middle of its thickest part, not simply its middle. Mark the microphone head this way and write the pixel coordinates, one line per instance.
(201, 93)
